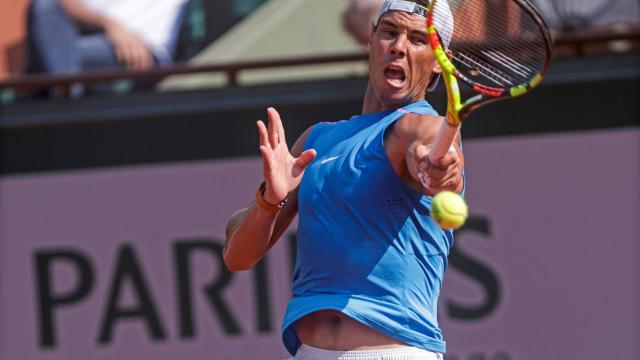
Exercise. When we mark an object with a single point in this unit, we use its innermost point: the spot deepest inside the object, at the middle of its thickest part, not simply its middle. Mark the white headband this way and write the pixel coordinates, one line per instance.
(443, 22)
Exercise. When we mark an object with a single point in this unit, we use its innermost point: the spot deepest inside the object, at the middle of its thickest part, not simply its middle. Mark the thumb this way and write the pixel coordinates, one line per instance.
(422, 152)
(305, 158)
(450, 158)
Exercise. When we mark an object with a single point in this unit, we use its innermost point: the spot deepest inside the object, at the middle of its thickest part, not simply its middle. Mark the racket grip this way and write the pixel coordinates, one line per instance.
(444, 139)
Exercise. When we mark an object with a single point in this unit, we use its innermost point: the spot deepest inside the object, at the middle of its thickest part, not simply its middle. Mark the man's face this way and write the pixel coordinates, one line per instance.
(400, 59)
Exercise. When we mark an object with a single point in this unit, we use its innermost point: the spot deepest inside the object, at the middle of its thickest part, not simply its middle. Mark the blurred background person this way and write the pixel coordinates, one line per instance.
(357, 19)
(70, 36)
(567, 15)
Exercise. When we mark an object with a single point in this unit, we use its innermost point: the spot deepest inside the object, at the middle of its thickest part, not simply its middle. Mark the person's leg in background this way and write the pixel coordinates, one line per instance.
(58, 46)
(95, 52)
(52, 39)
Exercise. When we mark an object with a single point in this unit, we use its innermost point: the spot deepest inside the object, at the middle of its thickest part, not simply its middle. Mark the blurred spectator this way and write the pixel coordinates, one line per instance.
(577, 14)
(69, 36)
(358, 19)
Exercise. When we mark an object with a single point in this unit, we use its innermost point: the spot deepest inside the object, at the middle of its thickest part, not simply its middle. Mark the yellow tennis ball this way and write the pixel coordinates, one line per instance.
(449, 210)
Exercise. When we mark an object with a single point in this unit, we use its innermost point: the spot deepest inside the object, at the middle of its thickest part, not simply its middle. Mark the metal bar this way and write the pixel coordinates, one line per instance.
(31, 82)
(41, 81)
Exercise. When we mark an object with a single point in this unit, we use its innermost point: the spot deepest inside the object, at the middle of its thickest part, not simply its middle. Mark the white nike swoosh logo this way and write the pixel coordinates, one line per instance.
(326, 160)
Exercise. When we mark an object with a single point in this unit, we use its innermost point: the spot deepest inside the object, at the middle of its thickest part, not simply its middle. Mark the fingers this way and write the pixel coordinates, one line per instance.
(275, 126)
(132, 57)
(138, 56)
(120, 53)
(131, 51)
(434, 179)
(145, 58)
(449, 179)
(262, 133)
(265, 147)
(451, 158)
(437, 176)
(443, 161)
(265, 151)
(125, 53)
(305, 158)
(124, 50)
(438, 172)
(135, 62)
(279, 126)
(425, 180)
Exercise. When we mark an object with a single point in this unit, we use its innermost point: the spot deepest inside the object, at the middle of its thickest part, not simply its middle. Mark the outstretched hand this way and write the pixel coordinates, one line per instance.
(282, 172)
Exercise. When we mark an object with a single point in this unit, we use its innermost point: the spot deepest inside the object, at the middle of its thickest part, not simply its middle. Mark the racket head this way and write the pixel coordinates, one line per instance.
(499, 48)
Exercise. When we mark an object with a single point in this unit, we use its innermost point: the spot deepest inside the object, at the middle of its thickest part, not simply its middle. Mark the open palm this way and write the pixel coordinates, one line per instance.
(282, 171)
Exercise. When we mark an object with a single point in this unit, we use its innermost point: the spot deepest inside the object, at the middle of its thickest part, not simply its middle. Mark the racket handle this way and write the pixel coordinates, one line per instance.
(444, 139)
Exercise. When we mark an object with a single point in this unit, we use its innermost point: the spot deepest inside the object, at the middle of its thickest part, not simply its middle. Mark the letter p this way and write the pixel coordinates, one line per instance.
(47, 299)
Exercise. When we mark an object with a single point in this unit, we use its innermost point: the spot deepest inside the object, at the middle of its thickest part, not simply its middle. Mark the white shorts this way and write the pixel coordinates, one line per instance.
(307, 352)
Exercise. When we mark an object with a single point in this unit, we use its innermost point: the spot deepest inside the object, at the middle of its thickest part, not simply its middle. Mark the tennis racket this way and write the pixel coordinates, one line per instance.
(499, 48)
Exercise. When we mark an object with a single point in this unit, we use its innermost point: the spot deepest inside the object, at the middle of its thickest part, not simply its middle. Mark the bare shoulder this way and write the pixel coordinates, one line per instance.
(411, 127)
(298, 146)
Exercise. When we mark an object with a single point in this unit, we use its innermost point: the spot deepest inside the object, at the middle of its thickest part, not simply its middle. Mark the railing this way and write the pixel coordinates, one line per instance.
(231, 70)
(574, 44)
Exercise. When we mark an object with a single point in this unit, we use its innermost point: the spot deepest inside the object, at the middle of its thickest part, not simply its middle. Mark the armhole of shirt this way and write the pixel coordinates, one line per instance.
(427, 109)
(422, 107)
(396, 116)
(313, 135)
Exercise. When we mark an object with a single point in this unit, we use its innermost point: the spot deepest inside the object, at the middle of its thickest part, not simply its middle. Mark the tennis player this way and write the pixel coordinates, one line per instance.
(370, 261)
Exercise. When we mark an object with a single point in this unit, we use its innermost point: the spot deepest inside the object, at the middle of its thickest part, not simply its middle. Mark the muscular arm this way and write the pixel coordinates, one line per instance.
(252, 231)
(407, 145)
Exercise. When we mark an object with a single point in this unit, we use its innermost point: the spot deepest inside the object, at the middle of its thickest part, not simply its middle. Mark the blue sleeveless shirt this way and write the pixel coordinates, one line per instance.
(367, 246)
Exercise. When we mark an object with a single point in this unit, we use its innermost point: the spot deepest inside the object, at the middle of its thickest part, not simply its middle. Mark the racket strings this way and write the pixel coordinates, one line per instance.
(496, 43)
(491, 73)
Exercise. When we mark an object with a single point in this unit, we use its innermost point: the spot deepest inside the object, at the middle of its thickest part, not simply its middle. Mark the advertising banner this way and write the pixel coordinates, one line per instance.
(126, 263)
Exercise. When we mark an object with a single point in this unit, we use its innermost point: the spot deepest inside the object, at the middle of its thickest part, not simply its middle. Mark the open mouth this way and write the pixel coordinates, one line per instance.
(395, 75)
